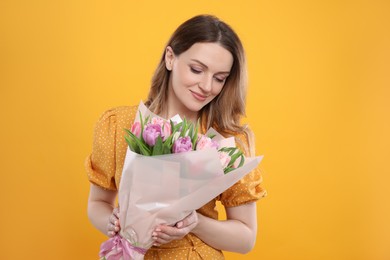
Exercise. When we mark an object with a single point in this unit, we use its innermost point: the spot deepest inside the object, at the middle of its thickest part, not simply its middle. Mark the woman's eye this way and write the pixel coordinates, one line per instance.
(196, 71)
(220, 80)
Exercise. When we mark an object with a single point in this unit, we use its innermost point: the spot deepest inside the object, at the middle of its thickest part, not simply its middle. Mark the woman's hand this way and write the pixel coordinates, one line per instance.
(164, 234)
(113, 225)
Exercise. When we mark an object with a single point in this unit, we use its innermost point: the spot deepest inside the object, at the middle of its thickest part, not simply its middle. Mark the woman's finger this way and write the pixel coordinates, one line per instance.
(116, 212)
(111, 233)
(160, 241)
(114, 220)
(188, 221)
(162, 235)
(114, 228)
(111, 230)
(169, 233)
(113, 224)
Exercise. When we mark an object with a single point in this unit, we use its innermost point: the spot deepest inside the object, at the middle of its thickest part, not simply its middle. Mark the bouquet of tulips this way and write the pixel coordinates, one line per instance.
(155, 136)
(170, 154)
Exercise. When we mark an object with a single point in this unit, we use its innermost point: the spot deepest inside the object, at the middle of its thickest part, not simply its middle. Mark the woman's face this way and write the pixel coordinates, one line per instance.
(197, 77)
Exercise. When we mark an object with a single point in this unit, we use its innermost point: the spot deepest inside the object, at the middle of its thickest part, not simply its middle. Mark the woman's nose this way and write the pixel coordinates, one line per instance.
(206, 85)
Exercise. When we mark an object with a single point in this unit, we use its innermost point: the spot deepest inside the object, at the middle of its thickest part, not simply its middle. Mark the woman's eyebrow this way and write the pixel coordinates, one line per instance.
(204, 65)
(201, 63)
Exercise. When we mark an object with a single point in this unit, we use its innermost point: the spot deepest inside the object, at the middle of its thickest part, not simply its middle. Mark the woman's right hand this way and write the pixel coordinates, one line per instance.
(163, 234)
(113, 226)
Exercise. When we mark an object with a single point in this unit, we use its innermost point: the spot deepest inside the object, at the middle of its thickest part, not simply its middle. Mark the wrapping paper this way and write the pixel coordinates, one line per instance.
(165, 189)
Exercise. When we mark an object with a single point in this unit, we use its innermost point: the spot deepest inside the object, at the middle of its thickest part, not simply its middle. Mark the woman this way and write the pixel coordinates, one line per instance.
(201, 75)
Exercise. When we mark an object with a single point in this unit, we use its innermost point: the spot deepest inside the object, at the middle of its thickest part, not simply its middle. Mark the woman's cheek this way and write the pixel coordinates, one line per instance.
(217, 90)
(190, 79)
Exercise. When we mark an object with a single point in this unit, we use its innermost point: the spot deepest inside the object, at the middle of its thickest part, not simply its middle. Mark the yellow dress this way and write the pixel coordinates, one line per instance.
(104, 168)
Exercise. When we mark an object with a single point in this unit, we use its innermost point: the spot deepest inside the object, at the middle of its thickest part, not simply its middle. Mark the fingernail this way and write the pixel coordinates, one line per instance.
(179, 225)
(156, 244)
(158, 230)
(154, 234)
(154, 238)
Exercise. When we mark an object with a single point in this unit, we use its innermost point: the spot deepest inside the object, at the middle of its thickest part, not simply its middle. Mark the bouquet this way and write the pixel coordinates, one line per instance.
(170, 170)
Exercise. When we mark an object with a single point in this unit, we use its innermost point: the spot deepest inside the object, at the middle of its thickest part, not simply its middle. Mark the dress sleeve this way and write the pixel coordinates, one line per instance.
(100, 164)
(248, 189)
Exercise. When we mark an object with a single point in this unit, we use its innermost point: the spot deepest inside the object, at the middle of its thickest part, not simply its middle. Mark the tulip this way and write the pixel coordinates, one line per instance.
(182, 144)
(224, 158)
(206, 142)
(136, 129)
(151, 133)
(166, 130)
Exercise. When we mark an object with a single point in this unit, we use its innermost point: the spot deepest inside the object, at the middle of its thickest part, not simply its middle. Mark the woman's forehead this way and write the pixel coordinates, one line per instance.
(211, 55)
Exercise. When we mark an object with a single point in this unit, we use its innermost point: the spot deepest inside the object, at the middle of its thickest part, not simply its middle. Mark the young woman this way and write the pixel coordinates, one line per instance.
(201, 75)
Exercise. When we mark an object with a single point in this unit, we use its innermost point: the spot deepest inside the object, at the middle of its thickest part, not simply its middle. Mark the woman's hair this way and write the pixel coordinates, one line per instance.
(225, 110)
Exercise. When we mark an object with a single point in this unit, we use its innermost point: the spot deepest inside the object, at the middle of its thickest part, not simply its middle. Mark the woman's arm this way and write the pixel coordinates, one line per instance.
(101, 204)
(236, 234)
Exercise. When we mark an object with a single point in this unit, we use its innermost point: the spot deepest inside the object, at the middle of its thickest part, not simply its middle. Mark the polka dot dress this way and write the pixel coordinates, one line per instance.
(104, 168)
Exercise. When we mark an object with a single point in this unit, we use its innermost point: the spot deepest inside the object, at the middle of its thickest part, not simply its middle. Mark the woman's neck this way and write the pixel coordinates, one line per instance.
(175, 107)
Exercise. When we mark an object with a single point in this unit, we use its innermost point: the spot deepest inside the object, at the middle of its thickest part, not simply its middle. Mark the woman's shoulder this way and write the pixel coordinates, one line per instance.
(119, 116)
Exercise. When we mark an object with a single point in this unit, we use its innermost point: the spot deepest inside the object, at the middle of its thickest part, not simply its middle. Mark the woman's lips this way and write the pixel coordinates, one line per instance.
(198, 96)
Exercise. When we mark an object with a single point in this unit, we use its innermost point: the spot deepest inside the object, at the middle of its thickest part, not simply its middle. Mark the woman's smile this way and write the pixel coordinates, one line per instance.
(198, 96)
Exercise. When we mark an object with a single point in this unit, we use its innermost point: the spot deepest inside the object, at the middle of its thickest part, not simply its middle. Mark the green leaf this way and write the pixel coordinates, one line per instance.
(191, 131)
(184, 128)
(211, 136)
(168, 141)
(227, 149)
(158, 147)
(132, 144)
(172, 125)
(242, 161)
(147, 119)
(142, 124)
(227, 170)
(140, 118)
(130, 141)
(195, 137)
(177, 127)
(144, 149)
(235, 156)
(166, 148)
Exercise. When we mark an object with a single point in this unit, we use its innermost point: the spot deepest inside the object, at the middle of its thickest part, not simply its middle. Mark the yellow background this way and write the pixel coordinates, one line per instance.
(318, 103)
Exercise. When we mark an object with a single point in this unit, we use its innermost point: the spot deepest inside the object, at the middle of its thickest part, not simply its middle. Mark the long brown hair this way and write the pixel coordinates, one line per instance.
(224, 111)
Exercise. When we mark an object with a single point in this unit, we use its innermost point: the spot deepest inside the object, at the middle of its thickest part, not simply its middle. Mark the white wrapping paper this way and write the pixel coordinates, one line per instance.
(165, 189)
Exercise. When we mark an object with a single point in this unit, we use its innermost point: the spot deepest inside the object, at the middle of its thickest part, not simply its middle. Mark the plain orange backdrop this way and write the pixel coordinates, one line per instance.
(318, 103)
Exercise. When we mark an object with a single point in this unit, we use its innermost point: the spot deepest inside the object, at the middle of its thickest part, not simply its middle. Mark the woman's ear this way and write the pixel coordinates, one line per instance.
(169, 57)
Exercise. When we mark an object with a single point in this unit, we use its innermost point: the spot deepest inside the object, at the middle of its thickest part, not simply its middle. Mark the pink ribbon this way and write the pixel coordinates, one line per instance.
(117, 247)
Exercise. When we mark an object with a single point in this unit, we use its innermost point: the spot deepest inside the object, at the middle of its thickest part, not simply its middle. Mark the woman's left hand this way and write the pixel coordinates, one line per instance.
(163, 234)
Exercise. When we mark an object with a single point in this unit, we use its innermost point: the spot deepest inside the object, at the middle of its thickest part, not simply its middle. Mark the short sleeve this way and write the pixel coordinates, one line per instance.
(249, 188)
(100, 164)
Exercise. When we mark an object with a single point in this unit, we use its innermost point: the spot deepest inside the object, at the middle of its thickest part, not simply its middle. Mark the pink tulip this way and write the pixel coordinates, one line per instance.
(182, 144)
(224, 158)
(157, 121)
(136, 129)
(166, 130)
(151, 133)
(206, 142)
(165, 126)
(237, 162)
